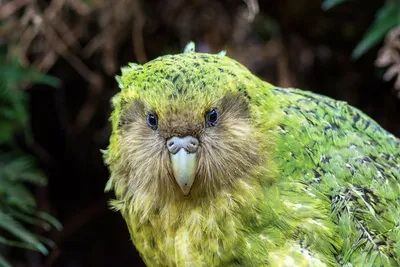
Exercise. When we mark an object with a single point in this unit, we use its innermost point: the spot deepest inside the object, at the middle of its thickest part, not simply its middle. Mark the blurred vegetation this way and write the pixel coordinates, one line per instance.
(386, 23)
(18, 211)
(386, 18)
(346, 49)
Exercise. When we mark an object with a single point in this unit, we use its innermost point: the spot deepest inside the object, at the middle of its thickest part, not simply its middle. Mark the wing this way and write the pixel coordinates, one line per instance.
(336, 150)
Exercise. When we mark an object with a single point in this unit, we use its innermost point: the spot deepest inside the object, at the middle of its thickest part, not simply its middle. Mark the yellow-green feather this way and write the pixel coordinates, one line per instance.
(318, 201)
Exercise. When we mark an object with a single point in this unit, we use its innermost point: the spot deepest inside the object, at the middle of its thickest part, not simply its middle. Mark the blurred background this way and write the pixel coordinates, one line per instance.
(58, 59)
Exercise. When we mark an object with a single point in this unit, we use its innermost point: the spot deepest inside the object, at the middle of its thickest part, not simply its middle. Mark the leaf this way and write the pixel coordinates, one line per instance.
(386, 18)
(29, 219)
(13, 243)
(19, 244)
(19, 196)
(50, 219)
(3, 262)
(17, 203)
(328, 4)
(20, 168)
(48, 242)
(13, 112)
(15, 72)
(7, 131)
(15, 228)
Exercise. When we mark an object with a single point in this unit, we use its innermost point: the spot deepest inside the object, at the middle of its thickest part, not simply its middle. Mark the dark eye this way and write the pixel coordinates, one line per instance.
(152, 121)
(212, 118)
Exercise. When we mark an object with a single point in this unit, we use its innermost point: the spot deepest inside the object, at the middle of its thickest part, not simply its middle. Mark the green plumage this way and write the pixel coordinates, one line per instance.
(342, 155)
(304, 180)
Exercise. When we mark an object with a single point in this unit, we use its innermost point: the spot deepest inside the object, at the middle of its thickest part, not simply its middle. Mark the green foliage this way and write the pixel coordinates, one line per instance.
(328, 4)
(387, 17)
(17, 169)
(12, 100)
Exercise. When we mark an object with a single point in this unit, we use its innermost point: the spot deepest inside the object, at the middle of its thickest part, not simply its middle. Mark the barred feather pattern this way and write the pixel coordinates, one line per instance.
(288, 177)
(349, 158)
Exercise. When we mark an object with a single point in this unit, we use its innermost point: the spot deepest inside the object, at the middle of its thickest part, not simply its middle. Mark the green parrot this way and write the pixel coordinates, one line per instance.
(212, 166)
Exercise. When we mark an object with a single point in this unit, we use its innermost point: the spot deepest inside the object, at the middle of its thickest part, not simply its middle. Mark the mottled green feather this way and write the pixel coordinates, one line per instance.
(344, 155)
(328, 194)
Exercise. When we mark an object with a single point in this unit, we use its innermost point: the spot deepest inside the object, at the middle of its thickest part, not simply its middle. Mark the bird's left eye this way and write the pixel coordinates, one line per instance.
(152, 121)
(212, 118)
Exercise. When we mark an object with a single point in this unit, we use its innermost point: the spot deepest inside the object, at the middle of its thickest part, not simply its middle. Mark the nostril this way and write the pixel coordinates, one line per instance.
(171, 145)
(189, 143)
(192, 144)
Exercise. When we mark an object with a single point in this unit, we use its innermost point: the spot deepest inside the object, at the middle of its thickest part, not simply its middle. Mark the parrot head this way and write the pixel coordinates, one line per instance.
(183, 126)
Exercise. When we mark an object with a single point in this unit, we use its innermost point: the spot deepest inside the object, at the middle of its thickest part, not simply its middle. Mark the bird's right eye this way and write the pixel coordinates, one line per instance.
(212, 118)
(152, 121)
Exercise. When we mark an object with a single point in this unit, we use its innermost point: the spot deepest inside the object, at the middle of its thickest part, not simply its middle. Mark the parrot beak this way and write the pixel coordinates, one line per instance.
(184, 167)
(183, 160)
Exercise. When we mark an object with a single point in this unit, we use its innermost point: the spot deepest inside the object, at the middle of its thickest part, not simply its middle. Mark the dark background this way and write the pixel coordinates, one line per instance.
(288, 43)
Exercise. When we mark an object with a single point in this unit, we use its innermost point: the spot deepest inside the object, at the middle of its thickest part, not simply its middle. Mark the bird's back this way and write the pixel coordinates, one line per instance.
(343, 157)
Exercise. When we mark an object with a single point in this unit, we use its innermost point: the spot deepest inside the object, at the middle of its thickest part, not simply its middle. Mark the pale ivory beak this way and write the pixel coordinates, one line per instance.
(184, 167)
(183, 158)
